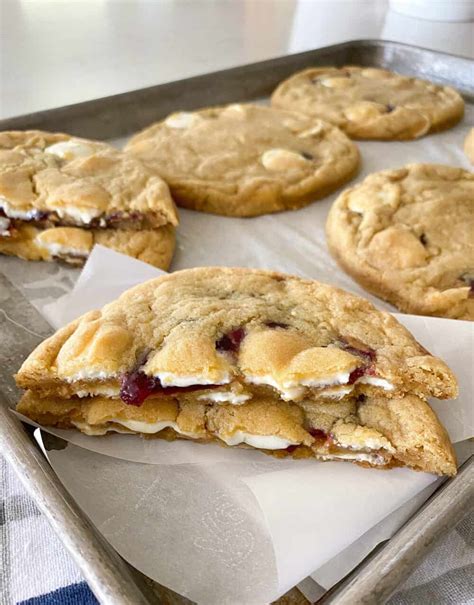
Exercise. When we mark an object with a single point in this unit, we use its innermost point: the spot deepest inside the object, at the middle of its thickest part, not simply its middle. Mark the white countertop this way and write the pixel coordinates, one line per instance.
(54, 53)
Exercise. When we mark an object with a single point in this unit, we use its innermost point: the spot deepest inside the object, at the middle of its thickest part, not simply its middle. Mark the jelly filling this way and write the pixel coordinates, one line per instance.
(136, 386)
(230, 342)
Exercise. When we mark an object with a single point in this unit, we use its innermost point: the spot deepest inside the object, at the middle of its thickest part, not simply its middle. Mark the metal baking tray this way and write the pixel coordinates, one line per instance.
(112, 580)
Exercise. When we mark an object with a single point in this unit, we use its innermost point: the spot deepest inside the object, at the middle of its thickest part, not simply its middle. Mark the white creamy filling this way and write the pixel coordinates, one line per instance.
(89, 429)
(292, 390)
(168, 379)
(338, 393)
(111, 392)
(264, 442)
(13, 212)
(328, 381)
(70, 150)
(286, 393)
(56, 249)
(79, 215)
(89, 375)
(376, 382)
(359, 456)
(4, 226)
(137, 426)
(226, 397)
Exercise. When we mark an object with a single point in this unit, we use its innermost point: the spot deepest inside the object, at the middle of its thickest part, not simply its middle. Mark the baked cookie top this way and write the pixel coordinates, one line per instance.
(227, 335)
(371, 103)
(52, 179)
(407, 236)
(246, 160)
(469, 146)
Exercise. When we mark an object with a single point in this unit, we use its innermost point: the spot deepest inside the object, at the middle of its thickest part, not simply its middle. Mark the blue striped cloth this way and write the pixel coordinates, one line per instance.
(37, 570)
(35, 567)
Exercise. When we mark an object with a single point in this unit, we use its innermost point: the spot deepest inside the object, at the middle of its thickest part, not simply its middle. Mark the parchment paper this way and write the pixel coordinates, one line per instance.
(225, 528)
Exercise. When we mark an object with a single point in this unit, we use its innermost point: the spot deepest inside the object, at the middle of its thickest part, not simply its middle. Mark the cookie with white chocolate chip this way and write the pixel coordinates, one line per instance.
(246, 160)
(407, 236)
(371, 103)
(245, 357)
(60, 194)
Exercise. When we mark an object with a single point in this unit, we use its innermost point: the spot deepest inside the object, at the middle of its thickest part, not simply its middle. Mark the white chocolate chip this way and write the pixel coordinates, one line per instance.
(4, 226)
(182, 119)
(375, 74)
(282, 159)
(365, 110)
(70, 150)
(236, 109)
(363, 200)
(336, 82)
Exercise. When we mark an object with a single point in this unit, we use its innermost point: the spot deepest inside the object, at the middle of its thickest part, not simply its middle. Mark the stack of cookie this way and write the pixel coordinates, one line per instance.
(60, 195)
(277, 363)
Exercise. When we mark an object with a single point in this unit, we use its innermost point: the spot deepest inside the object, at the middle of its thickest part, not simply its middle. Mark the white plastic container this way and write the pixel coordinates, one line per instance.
(436, 10)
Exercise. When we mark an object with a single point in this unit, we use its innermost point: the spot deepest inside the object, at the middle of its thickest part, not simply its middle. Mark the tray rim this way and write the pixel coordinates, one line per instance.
(15, 122)
(21, 451)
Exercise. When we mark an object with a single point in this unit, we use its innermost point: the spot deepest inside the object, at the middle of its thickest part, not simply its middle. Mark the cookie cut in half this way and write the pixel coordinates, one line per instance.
(246, 160)
(60, 194)
(469, 146)
(371, 103)
(246, 357)
(407, 236)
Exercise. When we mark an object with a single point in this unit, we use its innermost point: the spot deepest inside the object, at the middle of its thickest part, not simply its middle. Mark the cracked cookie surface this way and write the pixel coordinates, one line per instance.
(246, 160)
(371, 103)
(232, 334)
(407, 236)
(54, 181)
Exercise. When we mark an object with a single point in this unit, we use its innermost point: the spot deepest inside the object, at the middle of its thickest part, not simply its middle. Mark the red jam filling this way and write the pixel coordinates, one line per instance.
(318, 433)
(359, 372)
(230, 342)
(367, 354)
(137, 386)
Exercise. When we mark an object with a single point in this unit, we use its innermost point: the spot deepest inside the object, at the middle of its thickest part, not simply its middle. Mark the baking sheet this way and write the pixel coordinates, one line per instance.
(295, 515)
(203, 238)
